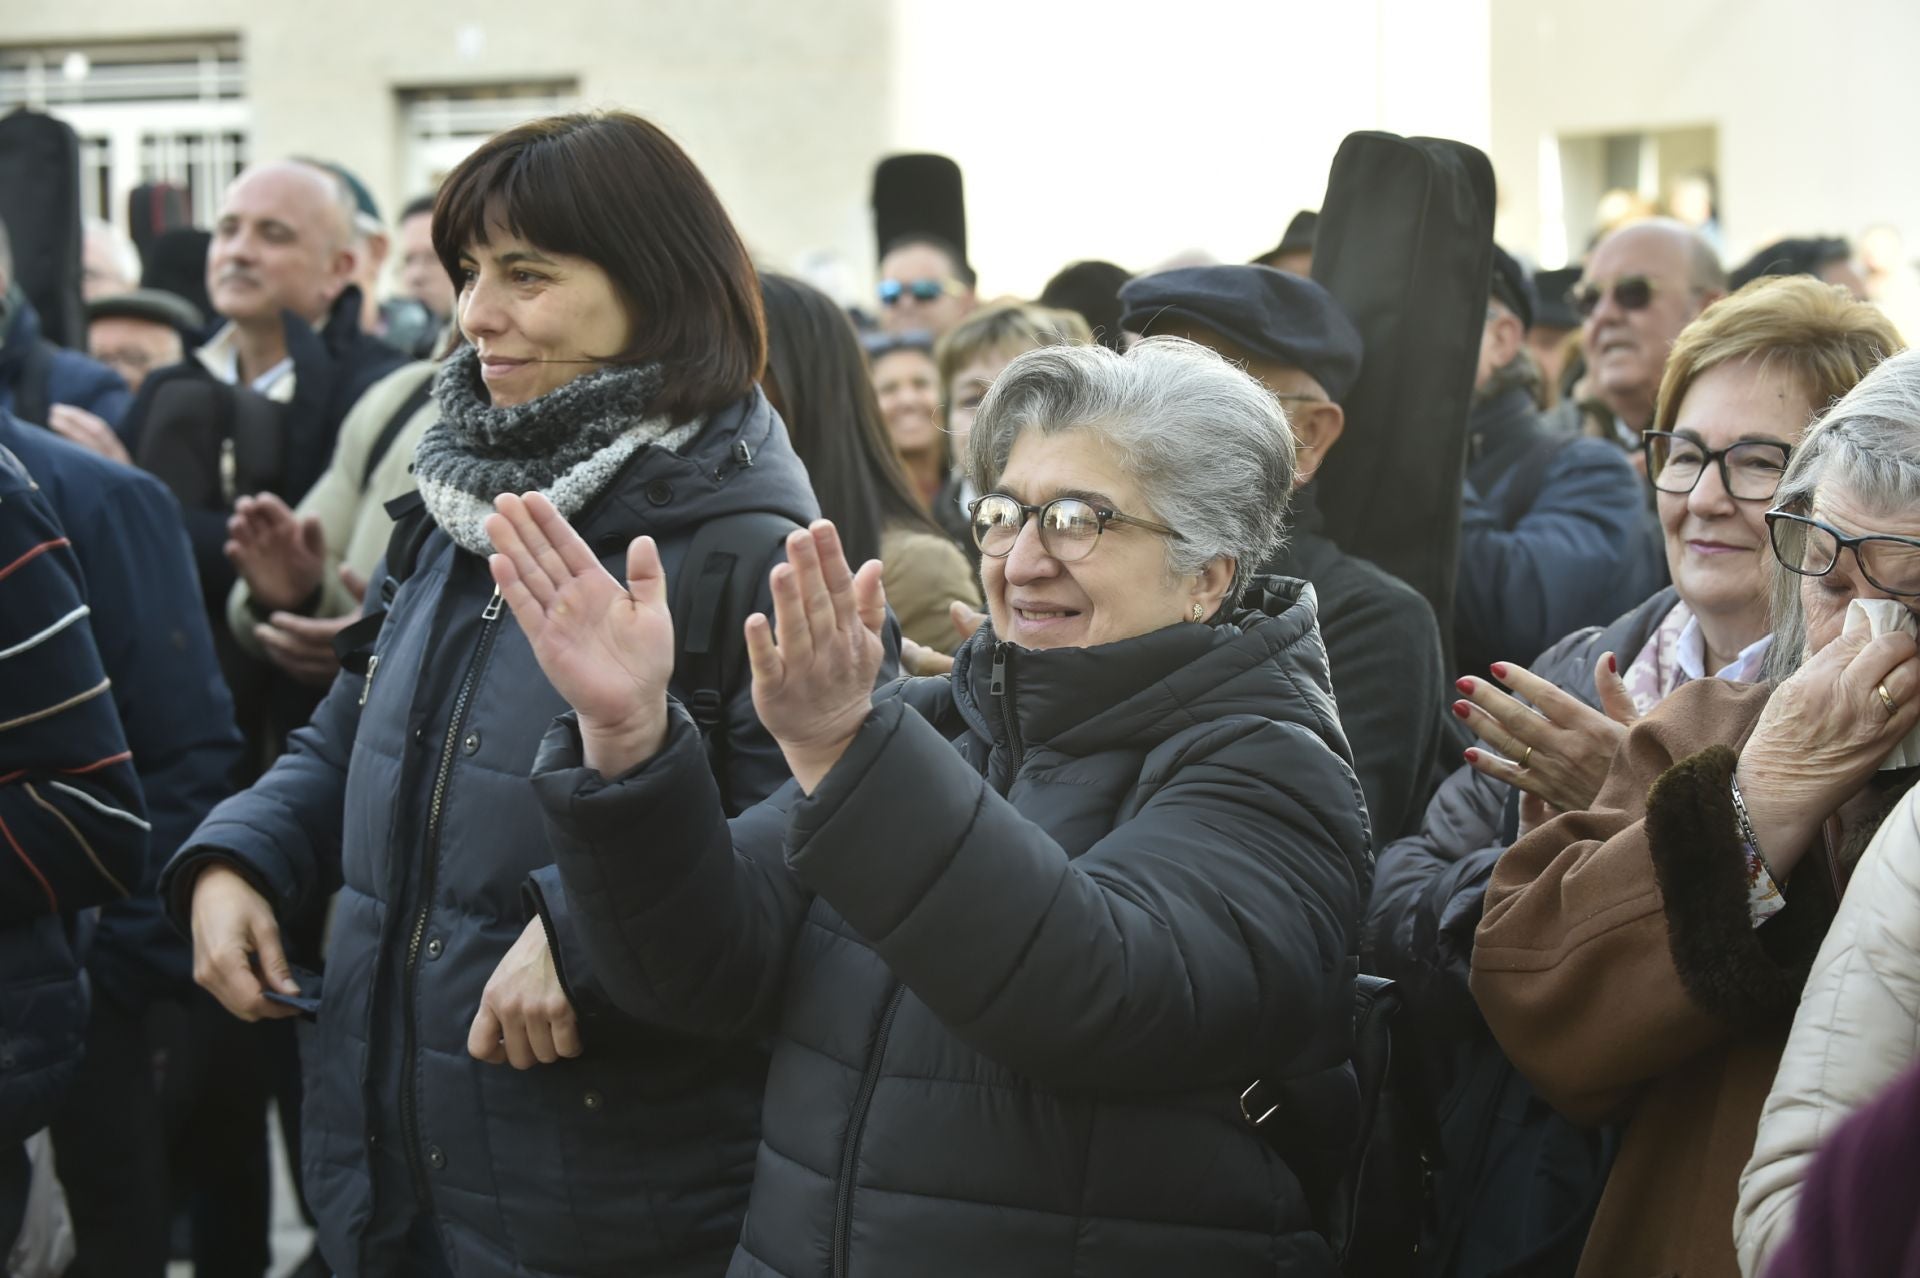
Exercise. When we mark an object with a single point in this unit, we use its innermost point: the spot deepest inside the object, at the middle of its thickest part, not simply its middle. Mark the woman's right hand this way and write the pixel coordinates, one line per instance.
(607, 648)
(1823, 733)
(236, 946)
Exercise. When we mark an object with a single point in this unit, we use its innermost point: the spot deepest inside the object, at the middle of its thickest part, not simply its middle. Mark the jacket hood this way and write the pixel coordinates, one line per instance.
(1267, 659)
(741, 460)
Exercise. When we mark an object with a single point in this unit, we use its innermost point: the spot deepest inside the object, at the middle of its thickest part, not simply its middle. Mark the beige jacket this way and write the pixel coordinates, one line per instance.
(355, 521)
(1857, 1029)
(923, 573)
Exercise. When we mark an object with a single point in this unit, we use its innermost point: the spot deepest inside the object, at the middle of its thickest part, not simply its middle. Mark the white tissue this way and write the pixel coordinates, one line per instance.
(1881, 616)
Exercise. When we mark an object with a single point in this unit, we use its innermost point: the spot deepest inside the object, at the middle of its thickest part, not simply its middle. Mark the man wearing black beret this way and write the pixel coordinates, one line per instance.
(1383, 644)
(1555, 530)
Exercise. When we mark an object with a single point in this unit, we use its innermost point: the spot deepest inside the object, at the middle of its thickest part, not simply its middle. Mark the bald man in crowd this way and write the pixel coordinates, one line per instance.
(1643, 284)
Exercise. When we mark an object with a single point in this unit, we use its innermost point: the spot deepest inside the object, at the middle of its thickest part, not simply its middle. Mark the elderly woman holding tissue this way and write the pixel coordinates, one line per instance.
(1640, 960)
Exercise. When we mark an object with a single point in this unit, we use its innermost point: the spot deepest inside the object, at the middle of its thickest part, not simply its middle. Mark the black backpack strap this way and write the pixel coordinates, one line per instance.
(32, 396)
(712, 598)
(1528, 478)
(383, 443)
(412, 525)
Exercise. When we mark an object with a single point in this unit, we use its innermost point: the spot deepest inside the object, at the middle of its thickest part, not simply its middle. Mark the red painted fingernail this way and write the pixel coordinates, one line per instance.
(1472, 756)
(1613, 663)
(1463, 708)
(1465, 685)
(1499, 669)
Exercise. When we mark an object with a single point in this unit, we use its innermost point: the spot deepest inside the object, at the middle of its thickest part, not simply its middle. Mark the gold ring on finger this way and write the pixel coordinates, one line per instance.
(1886, 699)
(1526, 758)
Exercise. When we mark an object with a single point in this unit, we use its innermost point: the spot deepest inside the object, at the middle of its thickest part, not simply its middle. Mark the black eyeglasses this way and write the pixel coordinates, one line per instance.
(1749, 470)
(1630, 293)
(1069, 526)
(920, 290)
(1811, 548)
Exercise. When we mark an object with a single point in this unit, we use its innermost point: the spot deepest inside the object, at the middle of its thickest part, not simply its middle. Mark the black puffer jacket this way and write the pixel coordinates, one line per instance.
(1023, 948)
(408, 793)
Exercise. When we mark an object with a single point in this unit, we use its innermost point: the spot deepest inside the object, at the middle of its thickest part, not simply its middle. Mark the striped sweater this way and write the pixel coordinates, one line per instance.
(73, 831)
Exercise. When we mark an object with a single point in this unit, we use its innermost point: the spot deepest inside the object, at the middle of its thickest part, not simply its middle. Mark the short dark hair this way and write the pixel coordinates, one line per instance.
(1800, 256)
(416, 206)
(962, 269)
(1092, 291)
(825, 395)
(616, 190)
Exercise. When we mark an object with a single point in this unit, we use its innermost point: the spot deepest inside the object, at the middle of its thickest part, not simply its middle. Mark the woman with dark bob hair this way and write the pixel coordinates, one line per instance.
(817, 379)
(613, 338)
(1022, 936)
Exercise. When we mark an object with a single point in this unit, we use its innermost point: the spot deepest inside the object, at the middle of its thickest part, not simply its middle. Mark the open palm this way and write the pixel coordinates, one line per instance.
(606, 647)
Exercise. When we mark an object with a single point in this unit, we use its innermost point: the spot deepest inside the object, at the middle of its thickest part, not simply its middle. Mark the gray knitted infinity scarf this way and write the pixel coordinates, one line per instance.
(568, 443)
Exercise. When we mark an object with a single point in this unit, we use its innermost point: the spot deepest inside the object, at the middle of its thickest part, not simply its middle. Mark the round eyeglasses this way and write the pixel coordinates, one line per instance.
(1811, 548)
(1069, 526)
(1749, 470)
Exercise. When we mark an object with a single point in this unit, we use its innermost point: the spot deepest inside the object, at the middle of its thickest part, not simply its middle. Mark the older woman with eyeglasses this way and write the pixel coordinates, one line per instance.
(1025, 934)
(1738, 393)
(1640, 960)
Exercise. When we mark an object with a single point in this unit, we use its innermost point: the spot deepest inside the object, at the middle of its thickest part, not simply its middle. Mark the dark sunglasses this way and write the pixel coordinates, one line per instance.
(1069, 527)
(1811, 548)
(921, 290)
(1630, 293)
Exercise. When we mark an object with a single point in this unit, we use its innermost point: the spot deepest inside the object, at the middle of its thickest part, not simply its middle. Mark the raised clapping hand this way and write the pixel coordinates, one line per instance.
(606, 647)
(815, 663)
(281, 557)
(1556, 751)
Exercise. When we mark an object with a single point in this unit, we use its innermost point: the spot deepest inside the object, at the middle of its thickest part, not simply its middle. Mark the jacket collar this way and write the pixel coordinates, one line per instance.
(1499, 433)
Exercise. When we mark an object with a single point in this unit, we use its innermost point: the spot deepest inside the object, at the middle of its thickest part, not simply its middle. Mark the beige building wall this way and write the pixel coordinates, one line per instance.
(1131, 129)
(1813, 108)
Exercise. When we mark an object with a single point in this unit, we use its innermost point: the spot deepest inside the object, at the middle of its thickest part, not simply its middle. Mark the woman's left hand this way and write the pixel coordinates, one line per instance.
(815, 664)
(1559, 749)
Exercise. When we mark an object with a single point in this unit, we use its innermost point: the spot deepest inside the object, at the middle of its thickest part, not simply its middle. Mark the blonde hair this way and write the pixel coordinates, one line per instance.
(1004, 328)
(1816, 332)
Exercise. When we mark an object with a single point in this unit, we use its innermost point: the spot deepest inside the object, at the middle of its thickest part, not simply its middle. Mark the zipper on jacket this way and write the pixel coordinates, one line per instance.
(409, 1116)
(856, 1125)
(373, 664)
(1001, 687)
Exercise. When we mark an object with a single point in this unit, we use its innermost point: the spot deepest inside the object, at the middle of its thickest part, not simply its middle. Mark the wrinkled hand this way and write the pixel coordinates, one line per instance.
(918, 659)
(606, 648)
(280, 556)
(78, 426)
(1572, 743)
(814, 666)
(232, 927)
(524, 1017)
(965, 618)
(1822, 735)
(303, 646)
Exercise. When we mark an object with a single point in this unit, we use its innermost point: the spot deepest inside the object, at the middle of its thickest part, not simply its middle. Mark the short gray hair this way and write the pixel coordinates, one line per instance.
(1208, 446)
(1867, 445)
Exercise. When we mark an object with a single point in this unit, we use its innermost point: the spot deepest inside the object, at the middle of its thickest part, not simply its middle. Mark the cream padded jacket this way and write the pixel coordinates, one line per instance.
(1857, 1029)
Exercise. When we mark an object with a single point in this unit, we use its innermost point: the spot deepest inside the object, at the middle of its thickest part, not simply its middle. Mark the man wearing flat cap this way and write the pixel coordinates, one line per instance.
(1555, 530)
(1383, 644)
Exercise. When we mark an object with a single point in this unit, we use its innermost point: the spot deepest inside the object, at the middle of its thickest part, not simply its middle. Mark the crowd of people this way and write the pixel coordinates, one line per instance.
(647, 769)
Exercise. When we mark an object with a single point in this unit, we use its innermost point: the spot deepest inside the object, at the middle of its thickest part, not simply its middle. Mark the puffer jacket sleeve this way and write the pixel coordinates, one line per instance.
(284, 833)
(693, 936)
(1857, 1029)
(1199, 940)
(1572, 560)
(1616, 942)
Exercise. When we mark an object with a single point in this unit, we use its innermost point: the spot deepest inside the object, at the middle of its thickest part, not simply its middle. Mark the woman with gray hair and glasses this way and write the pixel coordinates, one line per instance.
(1639, 961)
(1022, 935)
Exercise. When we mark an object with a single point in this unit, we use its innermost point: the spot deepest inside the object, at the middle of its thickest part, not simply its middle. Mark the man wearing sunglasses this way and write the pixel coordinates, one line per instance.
(926, 287)
(1555, 530)
(1642, 285)
(1383, 645)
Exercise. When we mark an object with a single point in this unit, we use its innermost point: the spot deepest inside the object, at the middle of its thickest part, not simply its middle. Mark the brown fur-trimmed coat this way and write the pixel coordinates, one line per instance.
(1616, 965)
